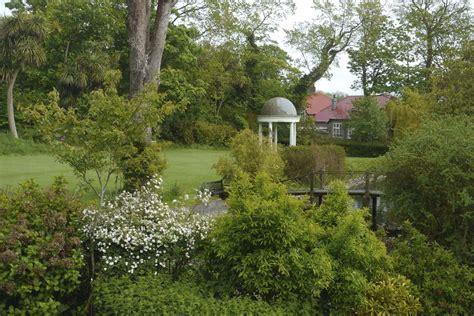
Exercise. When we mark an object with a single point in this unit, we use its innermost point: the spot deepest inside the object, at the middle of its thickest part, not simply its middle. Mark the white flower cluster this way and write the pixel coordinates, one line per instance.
(138, 229)
(204, 196)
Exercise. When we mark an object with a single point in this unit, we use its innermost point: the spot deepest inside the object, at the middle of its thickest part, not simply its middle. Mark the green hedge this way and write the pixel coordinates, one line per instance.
(355, 148)
(159, 295)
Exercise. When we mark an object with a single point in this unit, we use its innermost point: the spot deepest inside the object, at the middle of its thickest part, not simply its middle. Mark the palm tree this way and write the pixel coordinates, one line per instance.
(21, 46)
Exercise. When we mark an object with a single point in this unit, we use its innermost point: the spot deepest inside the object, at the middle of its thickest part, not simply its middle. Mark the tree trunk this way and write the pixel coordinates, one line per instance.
(137, 24)
(157, 42)
(10, 110)
(429, 54)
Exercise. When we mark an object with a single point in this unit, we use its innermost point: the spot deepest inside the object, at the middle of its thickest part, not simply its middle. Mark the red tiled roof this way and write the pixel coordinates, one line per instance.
(343, 108)
(317, 102)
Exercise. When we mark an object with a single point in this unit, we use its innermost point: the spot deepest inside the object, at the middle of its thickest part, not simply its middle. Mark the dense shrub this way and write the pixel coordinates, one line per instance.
(355, 148)
(358, 257)
(159, 295)
(367, 120)
(301, 161)
(445, 285)
(248, 155)
(138, 231)
(213, 134)
(40, 250)
(264, 246)
(185, 130)
(391, 295)
(430, 182)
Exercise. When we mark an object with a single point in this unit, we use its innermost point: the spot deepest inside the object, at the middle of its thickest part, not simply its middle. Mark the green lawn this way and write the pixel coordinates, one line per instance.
(188, 168)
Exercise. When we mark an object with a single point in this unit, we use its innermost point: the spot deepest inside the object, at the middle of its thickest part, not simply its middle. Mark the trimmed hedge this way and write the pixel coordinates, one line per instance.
(300, 161)
(159, 295)
(355, 148)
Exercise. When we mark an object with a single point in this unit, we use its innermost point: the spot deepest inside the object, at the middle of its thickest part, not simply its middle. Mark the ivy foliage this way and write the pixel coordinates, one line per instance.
(40, 250)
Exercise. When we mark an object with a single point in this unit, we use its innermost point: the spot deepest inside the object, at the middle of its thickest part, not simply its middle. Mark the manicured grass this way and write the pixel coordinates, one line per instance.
(363, 163)
(187, 168)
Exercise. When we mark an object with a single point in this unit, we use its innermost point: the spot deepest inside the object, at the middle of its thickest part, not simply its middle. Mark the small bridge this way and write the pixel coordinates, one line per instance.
(363, 184)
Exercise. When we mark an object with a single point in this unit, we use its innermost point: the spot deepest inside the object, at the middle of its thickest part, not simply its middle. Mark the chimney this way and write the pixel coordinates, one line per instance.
(333, 103)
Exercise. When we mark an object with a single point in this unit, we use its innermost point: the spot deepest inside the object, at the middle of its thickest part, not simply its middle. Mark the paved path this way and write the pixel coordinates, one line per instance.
(214, 207)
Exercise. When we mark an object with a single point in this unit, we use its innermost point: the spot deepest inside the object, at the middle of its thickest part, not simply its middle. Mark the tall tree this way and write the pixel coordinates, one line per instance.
(321, 40)
(21, 46)
(438, 29)
(146, 41)
(367, 121)
(372, 57)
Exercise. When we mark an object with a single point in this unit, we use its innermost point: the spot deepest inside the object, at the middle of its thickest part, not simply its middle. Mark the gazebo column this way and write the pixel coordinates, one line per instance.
(293, 134)
(260, 134)
(270, 131)
(275, 140)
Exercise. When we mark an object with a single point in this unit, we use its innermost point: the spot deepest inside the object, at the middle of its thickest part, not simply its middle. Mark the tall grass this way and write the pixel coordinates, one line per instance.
(13, 146)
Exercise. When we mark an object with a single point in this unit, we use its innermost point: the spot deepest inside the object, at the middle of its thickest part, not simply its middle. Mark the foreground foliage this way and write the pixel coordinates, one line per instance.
(267, 247)
(445, 285)
(159, 295)
(430, 182)
(40, 250)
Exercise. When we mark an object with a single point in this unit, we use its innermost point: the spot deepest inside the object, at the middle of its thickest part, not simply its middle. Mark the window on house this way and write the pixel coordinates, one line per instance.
(337, 130)
(349, 133)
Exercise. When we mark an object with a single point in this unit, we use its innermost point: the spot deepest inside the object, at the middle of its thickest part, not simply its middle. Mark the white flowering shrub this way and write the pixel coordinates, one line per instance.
(204, 196)
(139, 231)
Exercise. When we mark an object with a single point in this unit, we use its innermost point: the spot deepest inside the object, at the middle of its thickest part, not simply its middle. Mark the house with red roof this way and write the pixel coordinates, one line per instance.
(316, 102)
(331, 118)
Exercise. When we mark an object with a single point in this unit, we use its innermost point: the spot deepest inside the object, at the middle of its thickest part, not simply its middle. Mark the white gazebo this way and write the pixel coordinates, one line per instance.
(274, 111)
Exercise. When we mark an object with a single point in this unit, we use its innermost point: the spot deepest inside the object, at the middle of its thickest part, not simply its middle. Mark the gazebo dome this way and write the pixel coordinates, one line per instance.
(278, 107)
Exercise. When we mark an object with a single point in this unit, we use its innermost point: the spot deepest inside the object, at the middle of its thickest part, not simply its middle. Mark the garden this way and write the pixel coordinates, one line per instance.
(111, 131)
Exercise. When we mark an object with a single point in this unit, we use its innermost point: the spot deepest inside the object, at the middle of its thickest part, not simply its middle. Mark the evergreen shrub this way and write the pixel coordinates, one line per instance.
(301, 161)
(356, 148)
(248, 155)
(430, 182)
(445, 286)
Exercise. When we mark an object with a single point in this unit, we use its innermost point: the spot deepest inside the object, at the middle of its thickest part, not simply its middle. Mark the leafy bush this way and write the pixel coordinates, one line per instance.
(355, 148)
(248, 155)
(430, 182)
(367, 120)
(300, 161)
(358, 256)
(445, 285)
(187, 130)
(159, 295)
(264, 246)
(391, 295)
(138, 231)
(40, 250)
(14, 146)
(214, 134)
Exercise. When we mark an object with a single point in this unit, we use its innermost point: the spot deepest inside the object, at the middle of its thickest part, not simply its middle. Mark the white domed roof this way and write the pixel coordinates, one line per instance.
(278, 107)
